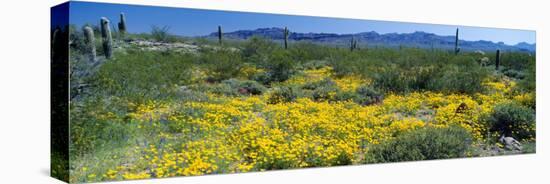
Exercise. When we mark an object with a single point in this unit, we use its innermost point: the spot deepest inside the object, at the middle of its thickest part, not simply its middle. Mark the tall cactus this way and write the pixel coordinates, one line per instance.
(220, 34)
(457, 49)
(353, 44)
(497, 59)
(107, 38)
(122, 24)
(89, 40)
(285, 32)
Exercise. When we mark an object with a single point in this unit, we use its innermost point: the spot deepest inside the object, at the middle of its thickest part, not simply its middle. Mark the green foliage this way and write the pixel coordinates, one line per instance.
(516, 60)
(160, 34)
(412, 69)
(367, 95)
(513, 120)
(253, 87)
(283, 95)
(90, 133)
(141, 75)
(529, 82)
(306, 51)
(102, 119)
(279, 67)
(221, 64)
(346, 96)
(426, 143)
(245, 87)
(314, 64)
(461, 79)
(325, 83)
(323, 90)
(460, 74)
(232, 87)
(257, 49)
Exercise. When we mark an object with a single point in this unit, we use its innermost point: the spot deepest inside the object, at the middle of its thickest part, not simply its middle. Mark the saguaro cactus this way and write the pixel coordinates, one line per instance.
(90, 43)
(285, 32)
(457, 49)
(220, 34)
(497, 60)
(107, 38)
(353, 44)
(122, 24)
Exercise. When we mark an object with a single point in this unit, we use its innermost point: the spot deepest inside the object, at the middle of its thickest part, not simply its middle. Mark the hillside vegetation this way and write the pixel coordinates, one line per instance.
(168, 106)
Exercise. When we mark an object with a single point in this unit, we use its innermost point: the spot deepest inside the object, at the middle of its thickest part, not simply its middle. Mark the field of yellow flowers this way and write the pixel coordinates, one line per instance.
(233, 134)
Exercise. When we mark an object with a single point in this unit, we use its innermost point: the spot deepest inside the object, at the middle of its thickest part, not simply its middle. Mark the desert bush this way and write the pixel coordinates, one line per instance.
(423, 144)
(345, 64)
(516, 60)
(283, 94)
(513, 73)
(326, 82)
(233, 87)
(307, 51)
(327, 93)
(221, 64)
(392, 79)
(345, 96)
(97, 124)
(160, 34)
(257, 50)
(221, 88)
(315, 64)
(529, 83)
(253, 87)
(513, 120)
(279, 68)
(449, 78)
(366, 95)
(460, 79)
(142, 75)
(323, 90)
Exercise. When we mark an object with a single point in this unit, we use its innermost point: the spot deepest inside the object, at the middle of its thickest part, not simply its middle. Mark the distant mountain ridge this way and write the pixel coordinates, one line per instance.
(417, 39)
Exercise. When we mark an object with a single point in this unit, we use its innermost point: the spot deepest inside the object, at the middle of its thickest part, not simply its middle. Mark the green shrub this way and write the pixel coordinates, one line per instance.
(423, 144)
(234, 87)
(345, 96)
(513, 73)
(307, 51)
(326, 82)
(392, 79)
(513, 120)
(222, 64)
(142, 75)
(279, 67)
(529, 83)
(367, 95)
(160, 34)
(323, 90)
(251, 87)
(461, 79)
(315, 64)
(324, 93)
(257, 50)
(90, 133)
(516, 60)
(346, 64)
(283, 94)
(262, 77)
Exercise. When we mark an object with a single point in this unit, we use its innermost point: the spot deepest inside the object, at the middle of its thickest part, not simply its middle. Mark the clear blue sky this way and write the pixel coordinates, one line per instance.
(194, 22)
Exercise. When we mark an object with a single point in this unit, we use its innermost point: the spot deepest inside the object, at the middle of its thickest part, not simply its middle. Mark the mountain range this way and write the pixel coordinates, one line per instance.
(371, 39)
